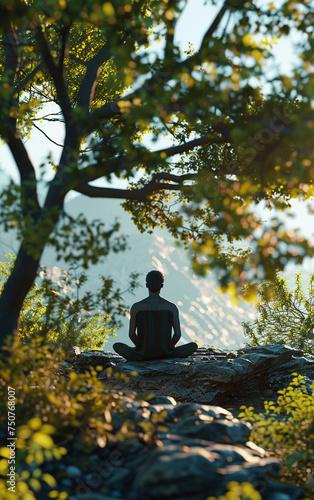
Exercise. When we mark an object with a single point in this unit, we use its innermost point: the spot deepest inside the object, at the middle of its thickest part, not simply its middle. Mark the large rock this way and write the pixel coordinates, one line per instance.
(209, 376)
(196, 448)
(95, 358)
(179, 463)
(187, 464)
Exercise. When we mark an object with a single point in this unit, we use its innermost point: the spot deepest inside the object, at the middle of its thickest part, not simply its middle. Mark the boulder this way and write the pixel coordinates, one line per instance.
(207, 428)
(93, 358)
(178, 464)
(203, 449)
(209, 376)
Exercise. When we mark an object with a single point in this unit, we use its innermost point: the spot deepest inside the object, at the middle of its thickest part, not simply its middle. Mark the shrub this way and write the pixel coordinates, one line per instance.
(286, 429)
(52, 413)
(284, 317)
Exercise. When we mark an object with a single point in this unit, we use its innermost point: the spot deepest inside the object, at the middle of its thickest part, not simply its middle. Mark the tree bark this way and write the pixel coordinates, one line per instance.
(26, 265)
(14, 292)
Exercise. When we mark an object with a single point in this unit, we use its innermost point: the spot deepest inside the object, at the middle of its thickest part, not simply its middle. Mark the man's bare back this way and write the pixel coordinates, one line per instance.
(154, 302)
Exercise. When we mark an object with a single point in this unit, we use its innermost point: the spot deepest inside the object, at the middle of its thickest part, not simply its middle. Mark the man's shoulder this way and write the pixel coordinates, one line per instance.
(146, 305)
(171, 306)
(138, 306)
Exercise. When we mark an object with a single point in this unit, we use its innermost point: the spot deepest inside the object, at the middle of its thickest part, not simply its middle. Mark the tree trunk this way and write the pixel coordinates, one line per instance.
(14, 292)
(26, 265)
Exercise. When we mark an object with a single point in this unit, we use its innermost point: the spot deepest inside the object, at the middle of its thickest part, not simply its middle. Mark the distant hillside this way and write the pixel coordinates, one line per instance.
(207, 316)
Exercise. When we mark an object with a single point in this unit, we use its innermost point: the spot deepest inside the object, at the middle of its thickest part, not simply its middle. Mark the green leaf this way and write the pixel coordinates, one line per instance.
(292, 459)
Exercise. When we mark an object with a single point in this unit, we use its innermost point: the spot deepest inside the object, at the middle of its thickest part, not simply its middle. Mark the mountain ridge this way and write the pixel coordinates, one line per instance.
(207, 316)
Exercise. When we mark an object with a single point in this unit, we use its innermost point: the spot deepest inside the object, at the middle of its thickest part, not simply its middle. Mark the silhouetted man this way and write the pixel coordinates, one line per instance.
(151, 323)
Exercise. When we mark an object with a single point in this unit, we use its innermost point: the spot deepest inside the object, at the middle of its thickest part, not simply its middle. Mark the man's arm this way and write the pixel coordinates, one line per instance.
(176, 326)
(132, 328)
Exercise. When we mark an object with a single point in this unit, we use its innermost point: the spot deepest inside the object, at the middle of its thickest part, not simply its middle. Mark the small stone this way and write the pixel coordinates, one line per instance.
(173, 472)
(189, 409)
(268, 392)
(162, 400)
(278, 496)
(73, 472)
(66, 482)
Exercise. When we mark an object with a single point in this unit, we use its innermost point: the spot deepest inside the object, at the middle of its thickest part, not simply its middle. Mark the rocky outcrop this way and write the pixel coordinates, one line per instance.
(209, 376)
(198, 450)
(195, 448)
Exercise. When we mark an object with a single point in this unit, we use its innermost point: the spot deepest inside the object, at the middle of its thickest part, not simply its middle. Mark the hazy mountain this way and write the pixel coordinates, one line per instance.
(207, 316)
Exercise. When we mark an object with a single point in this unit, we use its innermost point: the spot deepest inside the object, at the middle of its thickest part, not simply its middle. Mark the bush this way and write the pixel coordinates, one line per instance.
(284, 317)
(54, 413)
(55, 311)
(286, 429)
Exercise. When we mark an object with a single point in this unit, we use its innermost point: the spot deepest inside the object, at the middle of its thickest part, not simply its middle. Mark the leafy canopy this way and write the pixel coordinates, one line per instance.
(238, 130)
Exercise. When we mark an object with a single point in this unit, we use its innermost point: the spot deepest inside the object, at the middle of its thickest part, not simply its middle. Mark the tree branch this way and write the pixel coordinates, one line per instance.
(56, 192)
(167, 176)
(49, 119)
(139, 194)
(57, 76)
(209, 33)
(47, 136)
(77, 60)
(64, 46)
(95, 171)
(188, 146)
(28, 78)
(26, 170)
(11, 65)
(89, 82)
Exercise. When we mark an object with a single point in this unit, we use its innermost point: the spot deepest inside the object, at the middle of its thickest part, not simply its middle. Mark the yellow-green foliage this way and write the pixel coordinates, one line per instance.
(51, 411)
(286, 429)
(285, 316)
(238, 491)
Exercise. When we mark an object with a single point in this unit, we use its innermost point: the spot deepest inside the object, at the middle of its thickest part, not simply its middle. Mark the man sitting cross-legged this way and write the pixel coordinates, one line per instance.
(151, 323)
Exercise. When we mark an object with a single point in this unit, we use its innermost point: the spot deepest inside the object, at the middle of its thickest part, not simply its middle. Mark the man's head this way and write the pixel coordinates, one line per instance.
(154, 281)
